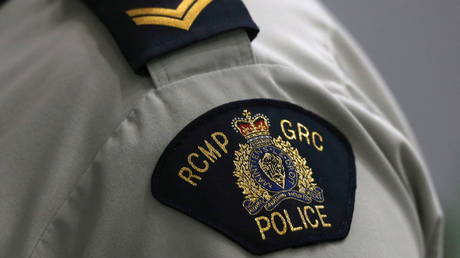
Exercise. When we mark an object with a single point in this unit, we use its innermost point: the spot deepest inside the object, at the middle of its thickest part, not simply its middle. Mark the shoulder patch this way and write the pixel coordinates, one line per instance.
(268, 174)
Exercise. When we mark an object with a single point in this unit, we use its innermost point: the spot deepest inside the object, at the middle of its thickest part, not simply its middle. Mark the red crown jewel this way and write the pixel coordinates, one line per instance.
(251, 126)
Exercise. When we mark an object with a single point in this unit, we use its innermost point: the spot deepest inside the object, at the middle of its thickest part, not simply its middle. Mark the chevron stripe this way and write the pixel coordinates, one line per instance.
(182, 17)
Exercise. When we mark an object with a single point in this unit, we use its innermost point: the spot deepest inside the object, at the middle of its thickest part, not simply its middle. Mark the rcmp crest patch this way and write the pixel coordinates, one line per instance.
(269, 170)
(267, 174)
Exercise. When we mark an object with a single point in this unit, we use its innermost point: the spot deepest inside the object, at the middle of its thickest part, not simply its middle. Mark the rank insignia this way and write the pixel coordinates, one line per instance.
(145, 29)
(181, 17)
(267, 174)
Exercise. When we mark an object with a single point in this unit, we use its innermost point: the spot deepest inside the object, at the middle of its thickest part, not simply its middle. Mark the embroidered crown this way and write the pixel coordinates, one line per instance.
(253, 128)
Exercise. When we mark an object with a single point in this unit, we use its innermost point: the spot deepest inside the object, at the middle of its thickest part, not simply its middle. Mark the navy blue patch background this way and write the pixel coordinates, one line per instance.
(217, 200)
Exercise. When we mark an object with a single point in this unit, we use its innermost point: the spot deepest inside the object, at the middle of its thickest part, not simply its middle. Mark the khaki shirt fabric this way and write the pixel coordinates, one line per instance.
(80, 133)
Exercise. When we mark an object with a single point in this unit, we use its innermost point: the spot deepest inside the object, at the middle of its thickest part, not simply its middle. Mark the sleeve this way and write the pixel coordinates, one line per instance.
(368, 88)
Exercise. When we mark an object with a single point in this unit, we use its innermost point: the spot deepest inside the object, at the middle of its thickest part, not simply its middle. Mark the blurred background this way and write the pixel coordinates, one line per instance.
(415, 45)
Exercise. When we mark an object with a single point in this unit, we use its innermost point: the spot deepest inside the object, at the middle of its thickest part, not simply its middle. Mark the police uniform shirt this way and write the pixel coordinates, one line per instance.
(99, 141)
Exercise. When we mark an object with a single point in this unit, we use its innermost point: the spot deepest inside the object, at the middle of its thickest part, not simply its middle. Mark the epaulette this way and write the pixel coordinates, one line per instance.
(147, 29)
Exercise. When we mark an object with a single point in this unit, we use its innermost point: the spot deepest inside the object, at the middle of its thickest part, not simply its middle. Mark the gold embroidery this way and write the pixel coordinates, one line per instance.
(210, 152)
(292, 227)
(302, 134)
(222, 144)
(182, 17)
(189, 177)
(178, 12)
(252, 189)
(304, 222)
(292, 132)
(269, 170)
(199, 163)
(320, 138)
(308, 217)
(263, 229)
(194, 166)
(281, 223)
(275, 225)
(322, 216)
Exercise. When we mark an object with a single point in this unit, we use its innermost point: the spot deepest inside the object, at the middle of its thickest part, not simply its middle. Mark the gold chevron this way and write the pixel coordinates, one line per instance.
(178, 12)
(182, 17)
